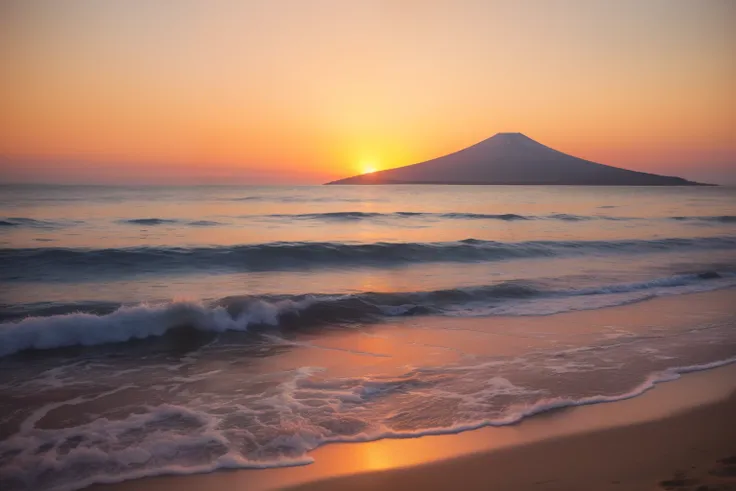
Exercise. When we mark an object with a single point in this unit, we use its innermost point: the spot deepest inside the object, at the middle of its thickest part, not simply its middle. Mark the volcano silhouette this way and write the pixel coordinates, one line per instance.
(513, 158)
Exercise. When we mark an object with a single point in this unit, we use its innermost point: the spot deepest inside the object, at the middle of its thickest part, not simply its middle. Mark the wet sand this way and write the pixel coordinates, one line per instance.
(692, 449)
(679, 436)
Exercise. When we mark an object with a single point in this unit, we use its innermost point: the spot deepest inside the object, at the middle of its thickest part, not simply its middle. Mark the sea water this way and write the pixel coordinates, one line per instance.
(160, 330)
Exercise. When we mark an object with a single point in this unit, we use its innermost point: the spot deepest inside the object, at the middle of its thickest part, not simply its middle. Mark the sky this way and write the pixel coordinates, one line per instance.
(306, 91)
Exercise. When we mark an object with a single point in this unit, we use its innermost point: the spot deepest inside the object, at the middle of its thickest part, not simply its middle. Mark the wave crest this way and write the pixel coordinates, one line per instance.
(242, 313)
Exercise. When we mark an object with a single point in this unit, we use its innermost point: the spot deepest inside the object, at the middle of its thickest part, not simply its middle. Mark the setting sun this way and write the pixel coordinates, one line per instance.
(368, 168)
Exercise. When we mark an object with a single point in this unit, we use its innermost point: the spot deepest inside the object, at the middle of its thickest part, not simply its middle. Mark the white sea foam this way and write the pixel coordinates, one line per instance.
(97, 452)
(137, 322)
(143, 321)
(102, 451)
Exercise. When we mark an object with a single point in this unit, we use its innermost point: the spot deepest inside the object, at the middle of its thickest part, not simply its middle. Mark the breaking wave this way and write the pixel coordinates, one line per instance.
(93, 324)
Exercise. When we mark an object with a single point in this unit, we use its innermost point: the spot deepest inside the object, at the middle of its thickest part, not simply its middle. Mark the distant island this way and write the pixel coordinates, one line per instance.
(514, 159)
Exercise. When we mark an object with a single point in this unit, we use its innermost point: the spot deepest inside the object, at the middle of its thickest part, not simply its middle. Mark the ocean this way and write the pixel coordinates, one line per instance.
(173, 330)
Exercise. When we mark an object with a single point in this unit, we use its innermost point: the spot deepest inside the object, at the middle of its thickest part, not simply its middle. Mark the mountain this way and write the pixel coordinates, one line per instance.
(513, 158)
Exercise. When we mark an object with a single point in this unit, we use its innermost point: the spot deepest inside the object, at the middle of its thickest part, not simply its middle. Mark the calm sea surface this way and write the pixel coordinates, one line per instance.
(156, 330)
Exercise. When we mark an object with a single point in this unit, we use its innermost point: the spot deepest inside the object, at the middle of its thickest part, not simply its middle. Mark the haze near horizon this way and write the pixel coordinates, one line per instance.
(291, 92)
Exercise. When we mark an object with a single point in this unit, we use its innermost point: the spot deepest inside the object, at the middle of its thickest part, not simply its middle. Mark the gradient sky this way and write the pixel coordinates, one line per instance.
(305, 91)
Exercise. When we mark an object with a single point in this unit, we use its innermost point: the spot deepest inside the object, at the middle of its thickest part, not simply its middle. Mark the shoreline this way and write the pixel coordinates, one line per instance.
(677, 431)
(686, 449)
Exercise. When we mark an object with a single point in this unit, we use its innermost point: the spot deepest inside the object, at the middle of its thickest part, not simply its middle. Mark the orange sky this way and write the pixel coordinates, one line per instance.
(305, 91)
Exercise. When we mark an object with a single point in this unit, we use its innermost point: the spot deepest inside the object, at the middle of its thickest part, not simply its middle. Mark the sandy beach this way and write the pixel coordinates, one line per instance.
(678, 436)
(692, 449)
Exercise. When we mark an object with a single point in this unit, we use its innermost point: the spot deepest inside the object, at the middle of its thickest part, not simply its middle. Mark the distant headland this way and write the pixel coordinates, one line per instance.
(514, 159)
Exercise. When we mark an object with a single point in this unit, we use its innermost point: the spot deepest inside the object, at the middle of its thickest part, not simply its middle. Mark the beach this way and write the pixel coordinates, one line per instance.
(678, 436)
(267, 338)
(631, 445)
(678, 431)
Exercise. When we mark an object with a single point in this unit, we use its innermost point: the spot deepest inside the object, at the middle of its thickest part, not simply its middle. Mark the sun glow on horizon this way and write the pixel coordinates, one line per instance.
(256, 93)
(368, 168)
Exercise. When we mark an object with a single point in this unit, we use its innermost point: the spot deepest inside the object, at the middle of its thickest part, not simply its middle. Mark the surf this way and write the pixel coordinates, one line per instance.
(247, 313)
